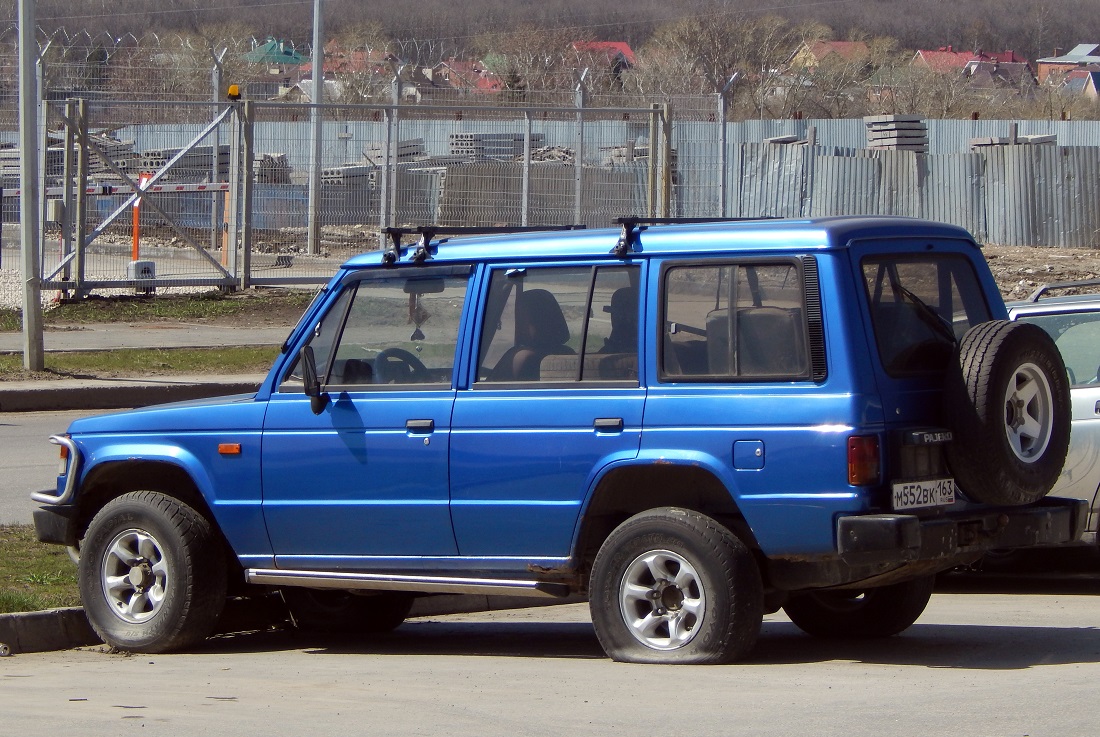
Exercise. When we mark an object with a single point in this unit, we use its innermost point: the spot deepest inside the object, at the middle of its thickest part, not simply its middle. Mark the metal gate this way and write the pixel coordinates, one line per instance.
(224, 196)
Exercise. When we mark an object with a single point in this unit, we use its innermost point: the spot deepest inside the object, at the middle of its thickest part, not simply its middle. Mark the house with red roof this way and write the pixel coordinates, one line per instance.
(618, 53)
(946, 58)
(996, 70)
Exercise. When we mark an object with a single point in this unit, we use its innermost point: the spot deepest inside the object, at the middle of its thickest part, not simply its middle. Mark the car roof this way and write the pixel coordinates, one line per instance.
(764, 235)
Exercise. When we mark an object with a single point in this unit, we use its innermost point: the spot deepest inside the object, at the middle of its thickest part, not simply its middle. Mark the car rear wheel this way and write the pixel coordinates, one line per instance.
(869, 613)
(1008, 403)
(674, 586)
(152, 574)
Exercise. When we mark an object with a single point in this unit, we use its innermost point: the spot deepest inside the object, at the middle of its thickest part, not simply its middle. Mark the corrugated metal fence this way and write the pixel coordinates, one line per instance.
(1006, 195)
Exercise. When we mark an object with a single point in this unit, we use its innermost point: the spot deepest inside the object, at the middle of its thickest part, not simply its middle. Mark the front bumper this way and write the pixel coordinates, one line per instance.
(878, 549)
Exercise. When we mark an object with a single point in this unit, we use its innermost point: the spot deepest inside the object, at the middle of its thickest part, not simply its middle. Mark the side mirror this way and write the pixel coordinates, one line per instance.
(318, 399)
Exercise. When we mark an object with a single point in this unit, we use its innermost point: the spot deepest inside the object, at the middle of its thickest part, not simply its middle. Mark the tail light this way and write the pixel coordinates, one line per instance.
(863, 460)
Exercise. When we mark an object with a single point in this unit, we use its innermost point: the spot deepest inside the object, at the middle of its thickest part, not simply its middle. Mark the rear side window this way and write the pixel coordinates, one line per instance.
(567, 324)
(735, 322)
(920, 307)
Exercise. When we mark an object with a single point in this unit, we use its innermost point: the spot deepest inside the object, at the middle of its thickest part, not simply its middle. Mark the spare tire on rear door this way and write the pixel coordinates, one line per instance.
(1007, 401)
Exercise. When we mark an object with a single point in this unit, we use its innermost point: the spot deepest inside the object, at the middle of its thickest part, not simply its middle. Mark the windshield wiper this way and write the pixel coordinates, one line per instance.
(927, 314)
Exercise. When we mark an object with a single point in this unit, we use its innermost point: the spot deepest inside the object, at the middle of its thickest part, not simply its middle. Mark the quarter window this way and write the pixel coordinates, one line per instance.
(738, 322)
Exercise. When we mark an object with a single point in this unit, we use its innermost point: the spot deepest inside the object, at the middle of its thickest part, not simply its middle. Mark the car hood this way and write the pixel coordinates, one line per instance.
(219, 413)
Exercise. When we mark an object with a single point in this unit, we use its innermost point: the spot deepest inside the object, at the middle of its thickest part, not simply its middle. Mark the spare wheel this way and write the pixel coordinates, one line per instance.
(1007, 400)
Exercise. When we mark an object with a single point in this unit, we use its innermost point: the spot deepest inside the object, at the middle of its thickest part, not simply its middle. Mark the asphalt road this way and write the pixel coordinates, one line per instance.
(28, 459)
(975, 664)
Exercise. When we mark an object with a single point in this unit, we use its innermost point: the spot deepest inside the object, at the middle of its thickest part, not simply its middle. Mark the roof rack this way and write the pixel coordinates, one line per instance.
(428, 233)
(629, 238)
(1043, 289)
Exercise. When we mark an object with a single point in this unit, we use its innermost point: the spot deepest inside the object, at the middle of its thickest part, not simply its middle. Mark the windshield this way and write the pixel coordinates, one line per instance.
(920, 307)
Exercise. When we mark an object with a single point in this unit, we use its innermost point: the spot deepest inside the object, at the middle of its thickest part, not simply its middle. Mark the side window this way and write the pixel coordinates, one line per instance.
(389, 331)
(558, 325)
(734, 322)
(1077, 335)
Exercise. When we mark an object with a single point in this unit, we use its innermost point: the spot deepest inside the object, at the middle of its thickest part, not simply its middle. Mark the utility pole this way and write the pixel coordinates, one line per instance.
(313, 234)
(33, 351)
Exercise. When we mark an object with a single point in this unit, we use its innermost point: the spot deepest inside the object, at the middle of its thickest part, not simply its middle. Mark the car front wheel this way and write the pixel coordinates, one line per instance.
(152, 574)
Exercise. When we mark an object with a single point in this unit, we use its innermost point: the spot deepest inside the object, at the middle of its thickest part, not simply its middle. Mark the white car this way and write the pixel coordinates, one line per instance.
(1073, 320)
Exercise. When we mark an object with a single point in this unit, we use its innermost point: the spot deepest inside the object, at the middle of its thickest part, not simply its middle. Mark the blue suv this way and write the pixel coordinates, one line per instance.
(689, 424)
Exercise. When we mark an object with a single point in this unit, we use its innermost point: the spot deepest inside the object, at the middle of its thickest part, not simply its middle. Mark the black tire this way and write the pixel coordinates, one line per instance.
(152, 574)
(871, 613)
(674, 586)
(323, 610)
(1008, 403)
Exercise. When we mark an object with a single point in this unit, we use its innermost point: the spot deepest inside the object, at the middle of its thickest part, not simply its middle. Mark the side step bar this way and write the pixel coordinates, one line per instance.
(401, 582)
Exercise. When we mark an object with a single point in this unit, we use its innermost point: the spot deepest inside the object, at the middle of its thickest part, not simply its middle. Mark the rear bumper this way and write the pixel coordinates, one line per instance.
(883, 548)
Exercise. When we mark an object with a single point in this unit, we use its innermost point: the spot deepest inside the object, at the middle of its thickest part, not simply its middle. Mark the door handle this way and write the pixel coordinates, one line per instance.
(420, 426)
(608, 424)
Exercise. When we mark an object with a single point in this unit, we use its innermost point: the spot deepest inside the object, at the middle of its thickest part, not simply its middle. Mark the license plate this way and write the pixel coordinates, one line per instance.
(928, 493)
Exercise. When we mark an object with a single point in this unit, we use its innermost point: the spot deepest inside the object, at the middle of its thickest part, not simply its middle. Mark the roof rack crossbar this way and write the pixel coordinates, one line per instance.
(428, 233)
(634, 225)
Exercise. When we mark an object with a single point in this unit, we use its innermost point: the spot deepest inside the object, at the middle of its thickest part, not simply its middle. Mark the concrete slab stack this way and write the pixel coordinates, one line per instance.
(896, 133)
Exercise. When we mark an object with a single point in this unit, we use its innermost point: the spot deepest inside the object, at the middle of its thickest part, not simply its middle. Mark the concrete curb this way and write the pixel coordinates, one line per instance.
(64, 629)
(53, 629)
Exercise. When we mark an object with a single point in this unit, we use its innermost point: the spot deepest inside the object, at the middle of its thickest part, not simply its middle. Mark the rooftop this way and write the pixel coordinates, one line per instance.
(767, 235)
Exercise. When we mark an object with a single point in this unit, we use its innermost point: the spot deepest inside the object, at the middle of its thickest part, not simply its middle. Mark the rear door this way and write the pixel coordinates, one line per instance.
(555, 399)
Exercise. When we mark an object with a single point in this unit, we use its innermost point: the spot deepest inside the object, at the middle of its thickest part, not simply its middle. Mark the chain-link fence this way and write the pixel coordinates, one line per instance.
(238, 194)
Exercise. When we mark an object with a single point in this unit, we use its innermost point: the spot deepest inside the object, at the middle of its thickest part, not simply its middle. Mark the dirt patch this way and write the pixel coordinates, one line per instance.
(1019, 270)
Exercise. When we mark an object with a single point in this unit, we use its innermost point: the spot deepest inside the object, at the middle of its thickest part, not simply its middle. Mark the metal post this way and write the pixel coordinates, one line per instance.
(68, 197)
(382, 175)
(723, 163)
(33, 351)
(651, 163)
(217, 206)
(80, 217)
(236, 145)
(578, 158)
(525, 204)
(393, 143)
(666, 160)
(313, 237)
(44, 140)
(247, 165)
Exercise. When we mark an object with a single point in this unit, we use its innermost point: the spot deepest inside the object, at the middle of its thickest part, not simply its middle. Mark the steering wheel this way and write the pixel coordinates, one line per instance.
(399, 366)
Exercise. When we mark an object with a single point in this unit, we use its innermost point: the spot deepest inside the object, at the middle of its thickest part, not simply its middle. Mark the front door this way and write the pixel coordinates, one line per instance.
(365, 482)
